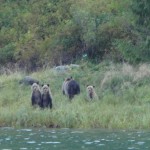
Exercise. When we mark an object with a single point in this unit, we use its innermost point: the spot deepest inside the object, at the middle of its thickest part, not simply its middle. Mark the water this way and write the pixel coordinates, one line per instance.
(73, 139)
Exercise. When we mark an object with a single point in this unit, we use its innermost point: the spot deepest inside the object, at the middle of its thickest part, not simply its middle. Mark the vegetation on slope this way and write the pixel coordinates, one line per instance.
(40, 33)
(123, 90)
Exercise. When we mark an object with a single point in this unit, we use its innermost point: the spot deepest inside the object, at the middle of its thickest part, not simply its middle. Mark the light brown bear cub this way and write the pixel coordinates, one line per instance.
(36, 97)
(91, 94)
(46, 96)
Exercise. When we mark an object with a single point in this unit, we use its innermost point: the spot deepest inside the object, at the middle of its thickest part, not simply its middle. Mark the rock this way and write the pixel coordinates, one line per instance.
(62, 68)
(65, 68)
(74, 66)
(28, 80)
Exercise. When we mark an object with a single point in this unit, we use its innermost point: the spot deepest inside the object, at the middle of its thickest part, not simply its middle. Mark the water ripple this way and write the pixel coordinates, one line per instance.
(88, 142)
(37, 139)
(96, 141)
(140, 143)
(50, 142)
(27, 130)
(101, 144)
(132, 148)
(31, 142)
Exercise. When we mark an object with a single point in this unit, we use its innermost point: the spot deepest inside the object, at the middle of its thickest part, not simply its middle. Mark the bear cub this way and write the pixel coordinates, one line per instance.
(91, 94)
(36, 98)
(46, 96)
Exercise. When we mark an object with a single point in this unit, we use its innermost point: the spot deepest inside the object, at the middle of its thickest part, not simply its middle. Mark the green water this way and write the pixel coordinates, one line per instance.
(73, 139)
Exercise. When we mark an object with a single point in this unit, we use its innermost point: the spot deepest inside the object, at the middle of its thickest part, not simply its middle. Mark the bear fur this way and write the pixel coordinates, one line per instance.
(91, 94)
(70, 87)
(65, 86)
(36, 97)
(46, 96)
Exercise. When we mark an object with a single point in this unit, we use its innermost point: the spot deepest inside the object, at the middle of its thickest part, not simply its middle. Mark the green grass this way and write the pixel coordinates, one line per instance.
(123, 91)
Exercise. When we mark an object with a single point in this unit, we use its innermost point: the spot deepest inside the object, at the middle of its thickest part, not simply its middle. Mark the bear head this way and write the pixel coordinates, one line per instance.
(45, 88)
(35, 87)
(90, 90)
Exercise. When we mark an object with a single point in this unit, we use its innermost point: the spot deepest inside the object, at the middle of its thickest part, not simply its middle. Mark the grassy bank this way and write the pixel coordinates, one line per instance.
(123, 90)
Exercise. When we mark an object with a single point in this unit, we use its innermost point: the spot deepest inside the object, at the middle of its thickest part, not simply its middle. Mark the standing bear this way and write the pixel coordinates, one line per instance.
(91, 94)
(70, 87)
(36, 98)
(46, 96)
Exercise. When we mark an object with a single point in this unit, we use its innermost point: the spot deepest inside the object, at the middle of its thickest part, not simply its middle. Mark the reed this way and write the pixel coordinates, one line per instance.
(123, 91)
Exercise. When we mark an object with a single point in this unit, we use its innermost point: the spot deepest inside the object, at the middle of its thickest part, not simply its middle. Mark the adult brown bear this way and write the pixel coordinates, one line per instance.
(70, 87)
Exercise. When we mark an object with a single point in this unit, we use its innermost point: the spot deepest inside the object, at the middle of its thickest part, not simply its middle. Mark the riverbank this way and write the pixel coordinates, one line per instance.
(123, 91)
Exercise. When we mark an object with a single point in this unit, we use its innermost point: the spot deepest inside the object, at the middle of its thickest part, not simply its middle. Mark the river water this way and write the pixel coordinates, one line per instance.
(73, 139)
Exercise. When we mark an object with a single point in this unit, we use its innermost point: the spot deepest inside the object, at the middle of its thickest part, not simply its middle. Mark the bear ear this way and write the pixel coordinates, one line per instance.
(87, 85)
(42, 84)
(71, 77)
(93, 86)
(48, 85)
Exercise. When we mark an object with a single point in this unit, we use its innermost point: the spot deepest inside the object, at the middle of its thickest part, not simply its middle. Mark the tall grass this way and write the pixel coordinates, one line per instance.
(123, 91)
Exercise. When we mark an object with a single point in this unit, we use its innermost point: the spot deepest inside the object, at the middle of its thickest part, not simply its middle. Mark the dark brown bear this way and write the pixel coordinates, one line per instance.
(70, 87)
(46, 96)
(36, 98)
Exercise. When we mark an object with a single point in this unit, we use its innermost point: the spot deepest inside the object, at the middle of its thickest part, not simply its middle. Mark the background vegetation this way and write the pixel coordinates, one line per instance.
(37, 33)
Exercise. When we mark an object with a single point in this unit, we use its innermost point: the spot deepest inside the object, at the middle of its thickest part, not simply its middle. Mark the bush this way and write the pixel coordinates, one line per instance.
(132, 53)
(7, 53)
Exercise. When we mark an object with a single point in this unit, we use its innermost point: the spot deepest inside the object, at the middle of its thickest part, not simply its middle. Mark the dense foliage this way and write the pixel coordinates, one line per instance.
(34, 33)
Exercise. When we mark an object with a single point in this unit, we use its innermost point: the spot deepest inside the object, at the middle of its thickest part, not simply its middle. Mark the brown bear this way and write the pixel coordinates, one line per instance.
(65, 85)
(46, 96)
(91, 94)
(36, 98)
(70, 87)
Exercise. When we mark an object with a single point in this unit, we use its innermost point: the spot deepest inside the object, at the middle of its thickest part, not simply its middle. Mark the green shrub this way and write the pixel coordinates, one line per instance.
(7, 53)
